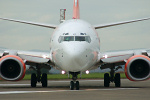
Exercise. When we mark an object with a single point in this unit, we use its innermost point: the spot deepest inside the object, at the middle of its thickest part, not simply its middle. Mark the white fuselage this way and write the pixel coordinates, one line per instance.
(75, 46)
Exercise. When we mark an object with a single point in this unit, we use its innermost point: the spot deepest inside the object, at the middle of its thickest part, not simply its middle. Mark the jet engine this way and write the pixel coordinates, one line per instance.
(137, 68)
(12, 68)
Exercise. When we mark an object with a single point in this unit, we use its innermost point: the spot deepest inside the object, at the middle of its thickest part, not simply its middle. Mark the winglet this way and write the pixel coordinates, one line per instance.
(76, 13)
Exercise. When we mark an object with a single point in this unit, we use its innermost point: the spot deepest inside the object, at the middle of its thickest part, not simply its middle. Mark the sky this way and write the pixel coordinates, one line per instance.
(28, 37)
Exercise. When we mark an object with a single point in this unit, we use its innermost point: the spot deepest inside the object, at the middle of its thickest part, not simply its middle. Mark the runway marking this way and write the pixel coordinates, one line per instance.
(14, 84)
(23, 92)
(20, 92)
(113, 89)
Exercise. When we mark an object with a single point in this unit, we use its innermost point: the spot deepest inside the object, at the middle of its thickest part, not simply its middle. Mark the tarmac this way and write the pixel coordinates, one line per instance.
(90, 89)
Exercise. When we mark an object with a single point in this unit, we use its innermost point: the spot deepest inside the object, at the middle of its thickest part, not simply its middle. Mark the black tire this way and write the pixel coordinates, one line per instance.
(77, 85)
(44, 80)
(106, 80)
(33, 80)
(117, 80)
(71, 85)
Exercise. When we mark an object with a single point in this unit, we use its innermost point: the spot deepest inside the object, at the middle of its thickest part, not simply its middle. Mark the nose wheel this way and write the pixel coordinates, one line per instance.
(74, 83)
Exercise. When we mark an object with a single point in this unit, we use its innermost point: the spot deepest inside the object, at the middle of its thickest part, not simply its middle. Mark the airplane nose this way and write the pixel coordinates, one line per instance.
(75, 57)
(74, 54)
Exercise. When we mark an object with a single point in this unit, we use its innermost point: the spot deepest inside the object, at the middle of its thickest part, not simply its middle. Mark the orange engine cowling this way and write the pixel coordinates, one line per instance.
(12, 68)
(137, 68)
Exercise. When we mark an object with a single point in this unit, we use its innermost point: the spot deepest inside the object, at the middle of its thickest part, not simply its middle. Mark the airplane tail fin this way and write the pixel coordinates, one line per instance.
(76, 13)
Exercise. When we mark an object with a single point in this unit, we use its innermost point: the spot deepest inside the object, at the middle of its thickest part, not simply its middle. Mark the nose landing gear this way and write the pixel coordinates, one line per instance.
(74, 83)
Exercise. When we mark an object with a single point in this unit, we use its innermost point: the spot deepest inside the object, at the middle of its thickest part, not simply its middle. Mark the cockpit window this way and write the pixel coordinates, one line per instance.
(74, 38)
(88, 39)
(79, 38)
(69, 38)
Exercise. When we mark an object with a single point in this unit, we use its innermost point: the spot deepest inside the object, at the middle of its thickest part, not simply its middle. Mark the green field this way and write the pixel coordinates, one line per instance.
(65, 76)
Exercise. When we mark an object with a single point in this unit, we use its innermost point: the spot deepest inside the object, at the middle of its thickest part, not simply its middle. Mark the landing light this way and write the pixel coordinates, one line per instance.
(45, 56)
(105, 56)
(63, 72)
(87, 72)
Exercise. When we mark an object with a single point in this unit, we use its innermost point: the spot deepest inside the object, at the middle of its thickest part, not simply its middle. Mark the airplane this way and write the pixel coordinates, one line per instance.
(75, 48)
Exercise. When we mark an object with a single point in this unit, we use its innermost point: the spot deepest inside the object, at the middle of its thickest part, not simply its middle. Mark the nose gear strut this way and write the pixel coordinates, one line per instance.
(74, 83)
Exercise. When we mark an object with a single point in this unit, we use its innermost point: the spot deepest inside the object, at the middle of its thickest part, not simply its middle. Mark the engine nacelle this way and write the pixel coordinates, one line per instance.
(137, 68)
(12, 68)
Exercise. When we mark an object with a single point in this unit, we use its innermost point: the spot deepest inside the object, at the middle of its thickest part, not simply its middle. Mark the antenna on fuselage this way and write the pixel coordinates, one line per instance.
(62, 15)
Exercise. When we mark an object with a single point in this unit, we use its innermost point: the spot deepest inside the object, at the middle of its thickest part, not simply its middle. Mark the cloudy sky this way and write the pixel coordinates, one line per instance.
(28, 37)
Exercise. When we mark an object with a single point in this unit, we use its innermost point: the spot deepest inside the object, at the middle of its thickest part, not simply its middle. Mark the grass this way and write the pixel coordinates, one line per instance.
(65, 76)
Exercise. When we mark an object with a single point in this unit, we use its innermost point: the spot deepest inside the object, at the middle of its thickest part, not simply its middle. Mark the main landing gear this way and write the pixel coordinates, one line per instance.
(74, 83)
(112, 78)
(38, 78)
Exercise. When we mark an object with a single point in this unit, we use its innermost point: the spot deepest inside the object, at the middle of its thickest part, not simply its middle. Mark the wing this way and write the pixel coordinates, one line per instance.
(137, 63)
(28, 56)
(13, 63)
(121, 56)
(118, 23)
(31, 23)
